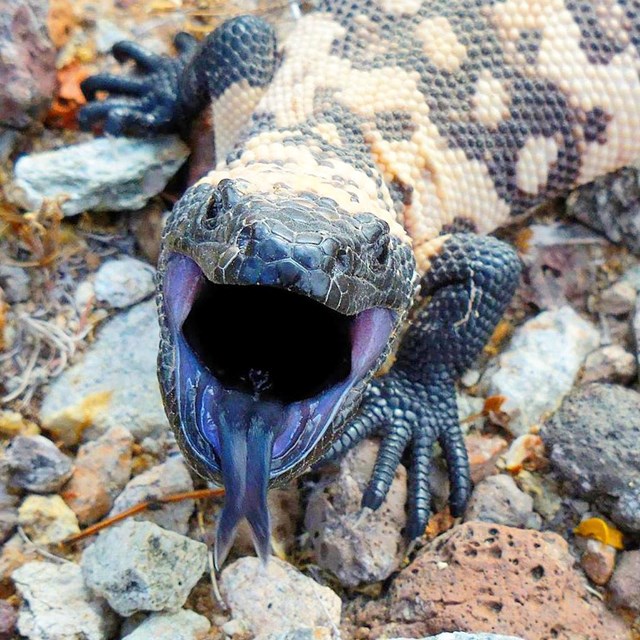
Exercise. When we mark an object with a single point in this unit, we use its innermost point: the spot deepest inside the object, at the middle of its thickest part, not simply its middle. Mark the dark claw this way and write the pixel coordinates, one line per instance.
(418, 489)
(185, 43)
(391, 449)
(146, 60)
(95, 112)
(455, 453)
(113, 84)
(130, 121)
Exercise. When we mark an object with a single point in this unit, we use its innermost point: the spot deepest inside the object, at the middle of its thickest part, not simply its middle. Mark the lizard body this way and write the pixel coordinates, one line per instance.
(359, 167)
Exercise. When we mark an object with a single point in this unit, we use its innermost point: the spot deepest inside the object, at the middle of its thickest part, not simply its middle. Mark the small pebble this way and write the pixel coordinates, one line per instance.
(8, 506)
(162, 480)
(15, 283)
(36, 464)
(618, 299)
(137, 566)
(103, 468)
(123, 282)
(58, 606)
(47, 519)
(183, 625)
(624, 586)
(8, 619)
(598, 561)
(277, 598)
(483, 451)
(609, 364)
(498, 499)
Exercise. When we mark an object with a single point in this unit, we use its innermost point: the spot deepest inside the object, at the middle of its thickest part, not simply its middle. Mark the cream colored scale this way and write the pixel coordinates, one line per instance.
(446, 184)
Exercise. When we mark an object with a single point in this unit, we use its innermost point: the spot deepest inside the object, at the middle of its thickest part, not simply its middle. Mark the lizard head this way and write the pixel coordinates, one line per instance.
(275, 311)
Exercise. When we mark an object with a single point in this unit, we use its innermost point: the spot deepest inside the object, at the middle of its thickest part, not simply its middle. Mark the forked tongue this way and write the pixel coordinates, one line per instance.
(246, 430)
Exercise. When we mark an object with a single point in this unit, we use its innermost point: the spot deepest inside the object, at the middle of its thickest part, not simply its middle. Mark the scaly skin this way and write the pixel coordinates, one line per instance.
(367, 155)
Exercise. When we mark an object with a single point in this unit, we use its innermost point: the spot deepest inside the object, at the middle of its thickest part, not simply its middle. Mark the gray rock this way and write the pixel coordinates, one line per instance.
(461, 635)
(609, 364)
(56, 604)
(277, 598)
(105, 174)
(138, 566)
(8, 506)
(114, 385)
(611, 204)
(593, 443)
(15, 282)
(357, 547)
(498, 499)
(162, 480)
(540, 366)
(183, 625)
(36, 464)
(123, 282)
(27, 62)
(624, 586)
(617, 299)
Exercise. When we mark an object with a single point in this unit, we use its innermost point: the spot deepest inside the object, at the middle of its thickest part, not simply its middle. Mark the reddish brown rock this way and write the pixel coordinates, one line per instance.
(483, 451)
(102, 470)
(598, 561)
(625, 584)
(27, 62)
(485, 577)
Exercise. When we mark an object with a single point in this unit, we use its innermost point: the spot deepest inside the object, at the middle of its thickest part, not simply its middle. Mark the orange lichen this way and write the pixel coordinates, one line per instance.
(598, 529)
(501, 333)
(526, 451)
(63, 111)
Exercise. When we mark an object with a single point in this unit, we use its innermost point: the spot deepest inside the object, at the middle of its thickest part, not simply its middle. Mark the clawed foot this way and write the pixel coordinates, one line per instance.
(413, 416)
(140, 104)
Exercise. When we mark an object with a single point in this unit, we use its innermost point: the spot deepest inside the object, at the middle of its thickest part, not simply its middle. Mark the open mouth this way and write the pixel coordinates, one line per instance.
(283, 354)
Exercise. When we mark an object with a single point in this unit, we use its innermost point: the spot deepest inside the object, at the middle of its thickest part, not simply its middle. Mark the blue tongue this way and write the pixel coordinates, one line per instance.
(246, 430)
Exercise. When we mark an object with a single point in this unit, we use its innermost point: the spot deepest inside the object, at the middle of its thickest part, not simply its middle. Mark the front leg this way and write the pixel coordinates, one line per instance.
(469, 284)
(166, 94)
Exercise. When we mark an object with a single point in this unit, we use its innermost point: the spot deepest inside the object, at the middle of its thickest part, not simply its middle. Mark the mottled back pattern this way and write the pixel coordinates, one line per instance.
(445, 112)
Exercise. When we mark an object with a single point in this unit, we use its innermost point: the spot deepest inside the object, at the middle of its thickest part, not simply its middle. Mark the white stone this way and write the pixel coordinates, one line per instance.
(104, 174)
(540, 365)
(183, 625)
(56, 604)
(124, 281)
(138, 566)
(276, 598)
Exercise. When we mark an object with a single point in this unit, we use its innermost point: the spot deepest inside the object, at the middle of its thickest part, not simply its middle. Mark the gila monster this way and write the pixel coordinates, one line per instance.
(359, 168)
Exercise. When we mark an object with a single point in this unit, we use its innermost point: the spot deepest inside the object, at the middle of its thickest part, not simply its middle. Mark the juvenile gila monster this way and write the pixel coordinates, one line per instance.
(359, 168)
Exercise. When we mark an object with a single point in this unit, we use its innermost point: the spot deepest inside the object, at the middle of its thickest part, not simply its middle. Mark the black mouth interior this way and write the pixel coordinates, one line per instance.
(269, 342)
